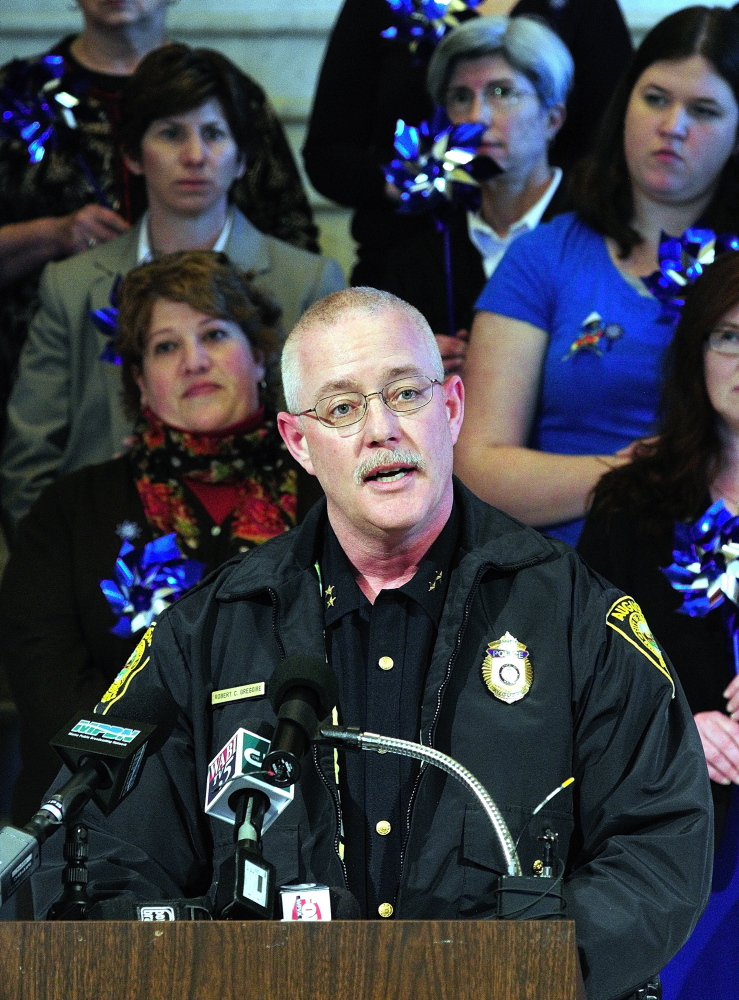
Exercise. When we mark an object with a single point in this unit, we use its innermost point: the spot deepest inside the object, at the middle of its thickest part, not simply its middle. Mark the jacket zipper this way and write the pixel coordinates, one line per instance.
(333, 791)
(432, 727)
(440, 694)
(331, 788)
(275, 610)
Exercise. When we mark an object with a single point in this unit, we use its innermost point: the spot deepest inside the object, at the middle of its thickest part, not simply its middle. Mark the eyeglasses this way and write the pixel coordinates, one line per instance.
(724, 340)
(497, 97)
(402, 395)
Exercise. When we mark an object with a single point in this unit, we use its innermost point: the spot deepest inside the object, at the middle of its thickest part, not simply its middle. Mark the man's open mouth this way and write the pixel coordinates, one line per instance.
(389, 475)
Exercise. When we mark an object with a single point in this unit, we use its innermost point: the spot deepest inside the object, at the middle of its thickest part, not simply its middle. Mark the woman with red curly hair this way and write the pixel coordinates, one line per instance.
(206, 476)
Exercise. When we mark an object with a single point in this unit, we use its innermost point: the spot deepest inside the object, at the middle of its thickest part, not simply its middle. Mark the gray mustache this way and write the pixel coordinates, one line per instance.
(394, 456)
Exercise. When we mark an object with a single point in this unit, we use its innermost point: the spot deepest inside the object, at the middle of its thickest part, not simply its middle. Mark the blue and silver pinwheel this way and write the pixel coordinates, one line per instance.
(106, 320)
(682, 259)
(425, 20)
(147, 581)
(436, 165)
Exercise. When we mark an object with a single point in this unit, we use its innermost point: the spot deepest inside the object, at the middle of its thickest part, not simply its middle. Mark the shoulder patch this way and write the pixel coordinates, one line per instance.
(134, 665)
(626, 617)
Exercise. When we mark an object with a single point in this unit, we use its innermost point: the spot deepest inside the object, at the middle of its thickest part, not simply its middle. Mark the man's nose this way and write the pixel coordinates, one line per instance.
(381, 423)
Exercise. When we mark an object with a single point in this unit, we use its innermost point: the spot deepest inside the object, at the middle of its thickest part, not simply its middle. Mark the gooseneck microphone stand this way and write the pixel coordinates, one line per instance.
(351, 738)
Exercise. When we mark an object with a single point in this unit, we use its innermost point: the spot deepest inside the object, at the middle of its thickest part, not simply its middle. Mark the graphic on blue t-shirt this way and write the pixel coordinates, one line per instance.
(597, 401)
(595, 334)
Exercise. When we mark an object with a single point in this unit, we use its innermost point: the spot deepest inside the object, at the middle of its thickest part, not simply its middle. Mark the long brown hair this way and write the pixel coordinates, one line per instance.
(670, 476)
(601, 187)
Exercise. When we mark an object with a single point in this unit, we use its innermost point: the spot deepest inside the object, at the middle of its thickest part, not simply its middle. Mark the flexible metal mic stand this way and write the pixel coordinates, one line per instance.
(352, 738)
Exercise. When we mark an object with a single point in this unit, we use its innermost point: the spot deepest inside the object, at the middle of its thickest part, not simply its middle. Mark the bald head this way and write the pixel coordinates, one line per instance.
(328, 314)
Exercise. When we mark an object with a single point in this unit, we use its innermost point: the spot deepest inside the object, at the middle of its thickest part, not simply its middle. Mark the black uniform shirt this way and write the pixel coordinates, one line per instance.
(380, 653)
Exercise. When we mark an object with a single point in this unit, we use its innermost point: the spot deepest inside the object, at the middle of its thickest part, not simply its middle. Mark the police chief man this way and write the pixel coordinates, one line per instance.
(447, 623)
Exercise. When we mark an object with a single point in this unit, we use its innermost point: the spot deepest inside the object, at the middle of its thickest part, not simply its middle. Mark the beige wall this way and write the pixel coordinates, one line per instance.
(278, 42)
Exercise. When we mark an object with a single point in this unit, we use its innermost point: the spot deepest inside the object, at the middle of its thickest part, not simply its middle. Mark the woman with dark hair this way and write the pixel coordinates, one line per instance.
(50, 209)
(565, 359)
(630, 535)
(188, 131)
(205, 466)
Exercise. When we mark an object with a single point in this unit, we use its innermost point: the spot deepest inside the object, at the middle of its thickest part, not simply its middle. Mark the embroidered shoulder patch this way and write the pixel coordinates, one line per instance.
(626, 617)
(134, 665)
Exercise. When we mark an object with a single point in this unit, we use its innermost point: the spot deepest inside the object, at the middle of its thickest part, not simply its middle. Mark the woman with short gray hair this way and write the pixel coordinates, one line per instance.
(368, 80)
(511, 75)
(526, 43)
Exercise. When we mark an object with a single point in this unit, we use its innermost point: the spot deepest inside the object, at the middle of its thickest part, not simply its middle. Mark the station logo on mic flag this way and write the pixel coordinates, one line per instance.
(239, 765)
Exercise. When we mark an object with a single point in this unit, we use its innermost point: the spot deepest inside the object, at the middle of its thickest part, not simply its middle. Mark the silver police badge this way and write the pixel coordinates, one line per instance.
(507, 669)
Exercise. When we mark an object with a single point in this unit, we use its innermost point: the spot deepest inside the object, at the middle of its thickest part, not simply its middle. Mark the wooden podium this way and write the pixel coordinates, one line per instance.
(264, 960)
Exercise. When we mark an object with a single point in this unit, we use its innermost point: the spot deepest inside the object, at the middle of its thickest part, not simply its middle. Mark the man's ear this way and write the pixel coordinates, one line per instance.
(291, 429)
(133, 165)
(453, 389)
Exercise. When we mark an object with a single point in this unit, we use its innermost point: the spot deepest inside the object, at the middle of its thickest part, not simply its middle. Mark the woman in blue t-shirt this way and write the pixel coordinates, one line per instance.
(564, 365)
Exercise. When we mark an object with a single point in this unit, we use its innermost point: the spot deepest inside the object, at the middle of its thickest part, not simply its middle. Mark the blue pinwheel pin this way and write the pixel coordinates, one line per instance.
(37, 110)
(106, 320)
(148, 580)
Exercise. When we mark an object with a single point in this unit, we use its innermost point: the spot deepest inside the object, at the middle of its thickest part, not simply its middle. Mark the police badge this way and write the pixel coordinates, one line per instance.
(507, 669)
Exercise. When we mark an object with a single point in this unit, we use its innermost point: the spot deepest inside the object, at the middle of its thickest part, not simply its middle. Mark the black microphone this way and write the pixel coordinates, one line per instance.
(302, 690)
(310, 901)
(106, 755)
(126, 907)
(239, 792)
(240, 765)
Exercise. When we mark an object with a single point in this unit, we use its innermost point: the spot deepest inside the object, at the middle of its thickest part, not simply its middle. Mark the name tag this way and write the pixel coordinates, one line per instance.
(240, 693)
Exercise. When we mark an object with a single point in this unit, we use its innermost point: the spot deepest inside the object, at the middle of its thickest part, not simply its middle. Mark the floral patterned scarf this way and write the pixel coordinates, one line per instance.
(254, 462)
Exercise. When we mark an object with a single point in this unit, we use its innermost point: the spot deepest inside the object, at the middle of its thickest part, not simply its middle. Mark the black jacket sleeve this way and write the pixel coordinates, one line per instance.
(641, 783)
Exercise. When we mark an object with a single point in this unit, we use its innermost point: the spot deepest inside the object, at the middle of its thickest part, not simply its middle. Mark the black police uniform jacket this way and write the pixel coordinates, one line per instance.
(634, 829)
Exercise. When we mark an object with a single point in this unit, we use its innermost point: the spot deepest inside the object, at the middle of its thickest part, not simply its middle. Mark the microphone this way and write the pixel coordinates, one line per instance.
(240, 765)
(125, 907)
(302, 691)
(239, 793)
(318, 902)
(352, 738)
(106, 757)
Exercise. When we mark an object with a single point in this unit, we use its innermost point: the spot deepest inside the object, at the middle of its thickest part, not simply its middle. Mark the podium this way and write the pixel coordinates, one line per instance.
(269, 960)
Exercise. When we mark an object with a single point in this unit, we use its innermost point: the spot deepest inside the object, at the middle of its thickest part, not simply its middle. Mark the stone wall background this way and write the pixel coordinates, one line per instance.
(279, 44)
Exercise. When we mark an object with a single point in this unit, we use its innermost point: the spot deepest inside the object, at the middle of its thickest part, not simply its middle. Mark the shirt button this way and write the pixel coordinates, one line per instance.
(383, 828)
(215, 530)
(385, 909)
(386, 663)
